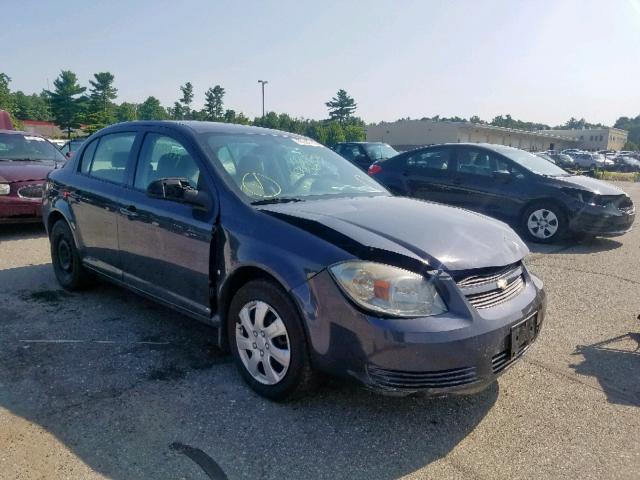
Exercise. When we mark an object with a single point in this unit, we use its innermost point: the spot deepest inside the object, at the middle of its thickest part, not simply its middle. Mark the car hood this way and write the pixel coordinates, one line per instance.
(24, 171)
(406, 232)
(592, 185)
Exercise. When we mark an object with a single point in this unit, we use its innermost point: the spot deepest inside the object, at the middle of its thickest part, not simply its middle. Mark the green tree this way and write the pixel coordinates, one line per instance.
(341, 107)
(31, 107)
(7, 99)
(101, 109)
(177, 112)
(214, 104)
(317, 131)
(230, 116)
(185, 101)
(354, 133)
(151, 109)
(630, 146)
(67, 101)
(335, 134)
(126, 112)
(631, 125)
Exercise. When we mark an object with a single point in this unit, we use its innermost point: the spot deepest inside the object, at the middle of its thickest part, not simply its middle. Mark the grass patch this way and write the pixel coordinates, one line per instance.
(618, 176)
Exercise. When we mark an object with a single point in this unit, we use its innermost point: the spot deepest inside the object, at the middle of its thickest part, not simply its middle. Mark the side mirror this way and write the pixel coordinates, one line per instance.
(178, 190)
(502, 176)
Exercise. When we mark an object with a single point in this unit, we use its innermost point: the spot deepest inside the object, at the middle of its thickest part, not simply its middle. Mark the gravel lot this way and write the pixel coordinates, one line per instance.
(105, 384)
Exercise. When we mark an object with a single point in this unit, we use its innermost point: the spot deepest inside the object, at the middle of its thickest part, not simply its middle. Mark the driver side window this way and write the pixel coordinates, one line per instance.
(164, 157)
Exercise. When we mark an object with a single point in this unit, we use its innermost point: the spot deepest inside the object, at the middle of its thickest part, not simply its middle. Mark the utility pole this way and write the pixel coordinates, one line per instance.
(262, 82)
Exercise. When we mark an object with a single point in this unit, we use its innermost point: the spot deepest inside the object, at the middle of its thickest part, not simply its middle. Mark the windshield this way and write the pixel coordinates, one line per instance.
(379, 151)
(531, 162)
(273, 168)
(18, 147)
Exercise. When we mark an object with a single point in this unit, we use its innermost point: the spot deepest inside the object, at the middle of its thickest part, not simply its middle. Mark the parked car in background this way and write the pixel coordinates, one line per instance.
(590, 160)
(302, 261)
(71, 146)
(363, 154)
(528, 192)
(626, 163)
(25, 161)
(561, 159)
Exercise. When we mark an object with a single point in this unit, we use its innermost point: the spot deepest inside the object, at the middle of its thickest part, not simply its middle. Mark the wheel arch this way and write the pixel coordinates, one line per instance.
(239, 278)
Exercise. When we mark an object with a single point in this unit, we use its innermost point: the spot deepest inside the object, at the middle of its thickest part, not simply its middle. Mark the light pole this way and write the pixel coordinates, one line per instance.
(262, 82)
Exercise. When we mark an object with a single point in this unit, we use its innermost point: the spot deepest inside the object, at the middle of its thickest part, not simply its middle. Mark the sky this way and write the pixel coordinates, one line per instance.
(538, 60)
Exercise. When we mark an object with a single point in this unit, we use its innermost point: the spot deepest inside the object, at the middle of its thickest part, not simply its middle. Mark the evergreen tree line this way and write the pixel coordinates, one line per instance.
(70, 105)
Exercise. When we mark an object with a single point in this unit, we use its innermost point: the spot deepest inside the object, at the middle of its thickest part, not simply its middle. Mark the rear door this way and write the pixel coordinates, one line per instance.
(487, 182)
(428, 174)
(96, 199)
(166, 245)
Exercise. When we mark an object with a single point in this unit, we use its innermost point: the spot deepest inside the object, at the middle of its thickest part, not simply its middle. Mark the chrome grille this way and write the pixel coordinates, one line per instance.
(498, 295)
(30, 191)
(491, 287)
(400, 379)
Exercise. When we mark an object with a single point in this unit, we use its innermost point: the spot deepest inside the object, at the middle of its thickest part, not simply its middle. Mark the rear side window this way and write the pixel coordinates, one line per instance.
(111, 156)
(430, 161)
(87, 157)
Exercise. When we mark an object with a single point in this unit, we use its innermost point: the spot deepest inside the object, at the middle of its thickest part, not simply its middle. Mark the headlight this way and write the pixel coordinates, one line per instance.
(389, 290)
(581, 195)
(5, 188)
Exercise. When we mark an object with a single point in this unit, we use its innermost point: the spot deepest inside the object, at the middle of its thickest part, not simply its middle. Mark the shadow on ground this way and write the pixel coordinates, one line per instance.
(615, 363)
(576, 246)
(137, 391)
(22, 231)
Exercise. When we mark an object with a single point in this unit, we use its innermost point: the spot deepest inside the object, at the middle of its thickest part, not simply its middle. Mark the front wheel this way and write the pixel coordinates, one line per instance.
(267, 341)
(544, 223)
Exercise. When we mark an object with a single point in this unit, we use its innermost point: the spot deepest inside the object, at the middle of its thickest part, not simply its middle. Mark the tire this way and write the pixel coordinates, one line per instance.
(67, 265)
(544, 222)
(271, 378)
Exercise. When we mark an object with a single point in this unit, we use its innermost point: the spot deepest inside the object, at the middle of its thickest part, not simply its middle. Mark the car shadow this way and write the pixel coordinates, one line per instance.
(576, 246)
(615, 363)
(17, 231)
(136, 391)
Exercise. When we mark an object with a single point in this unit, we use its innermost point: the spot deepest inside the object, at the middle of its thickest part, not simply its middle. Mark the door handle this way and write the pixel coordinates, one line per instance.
(130, 211)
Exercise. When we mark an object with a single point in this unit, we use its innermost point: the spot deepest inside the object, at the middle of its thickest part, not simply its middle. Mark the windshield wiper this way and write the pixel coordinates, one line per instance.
(269, 201)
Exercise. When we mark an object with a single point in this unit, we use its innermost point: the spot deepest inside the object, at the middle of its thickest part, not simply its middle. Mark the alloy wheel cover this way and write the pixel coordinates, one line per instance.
(263, 342)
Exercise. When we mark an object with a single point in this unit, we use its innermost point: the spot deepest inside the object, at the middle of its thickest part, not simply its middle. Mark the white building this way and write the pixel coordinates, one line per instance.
(410, 134)
(595, 138)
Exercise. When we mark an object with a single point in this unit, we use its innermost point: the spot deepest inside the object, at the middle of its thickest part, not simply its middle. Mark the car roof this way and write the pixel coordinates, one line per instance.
(204, 127)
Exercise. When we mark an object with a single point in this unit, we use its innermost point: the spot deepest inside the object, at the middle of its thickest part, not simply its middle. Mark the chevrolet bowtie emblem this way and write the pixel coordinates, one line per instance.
(502, 283)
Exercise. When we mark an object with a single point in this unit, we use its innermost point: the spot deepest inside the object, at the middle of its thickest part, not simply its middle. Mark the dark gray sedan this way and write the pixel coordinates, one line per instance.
(301, 261)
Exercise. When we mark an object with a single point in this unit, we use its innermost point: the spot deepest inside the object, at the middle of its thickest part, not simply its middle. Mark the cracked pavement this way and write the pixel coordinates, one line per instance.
(130, 390)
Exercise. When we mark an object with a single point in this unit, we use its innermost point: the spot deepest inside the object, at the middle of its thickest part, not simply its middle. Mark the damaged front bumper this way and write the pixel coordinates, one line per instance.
(459, 352)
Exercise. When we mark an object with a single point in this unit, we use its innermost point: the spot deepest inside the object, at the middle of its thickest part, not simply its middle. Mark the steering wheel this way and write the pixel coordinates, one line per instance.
(259, 185)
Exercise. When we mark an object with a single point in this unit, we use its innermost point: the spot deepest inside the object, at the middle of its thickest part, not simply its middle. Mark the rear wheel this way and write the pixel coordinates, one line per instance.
(65, 258)
(544, 222)
(267, 341)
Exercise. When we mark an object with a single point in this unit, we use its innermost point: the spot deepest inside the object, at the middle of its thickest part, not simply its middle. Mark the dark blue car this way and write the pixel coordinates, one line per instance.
(541, 199)
(301, 261)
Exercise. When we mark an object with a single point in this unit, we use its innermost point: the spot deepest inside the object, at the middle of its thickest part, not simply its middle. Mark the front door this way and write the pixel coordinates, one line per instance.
(165, 245)
(486, 182)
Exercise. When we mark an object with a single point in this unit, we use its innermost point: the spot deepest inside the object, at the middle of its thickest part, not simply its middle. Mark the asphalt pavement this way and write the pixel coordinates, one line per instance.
(104, 384)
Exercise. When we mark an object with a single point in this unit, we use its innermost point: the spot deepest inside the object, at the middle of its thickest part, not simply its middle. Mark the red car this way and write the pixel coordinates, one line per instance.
(25, 161)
